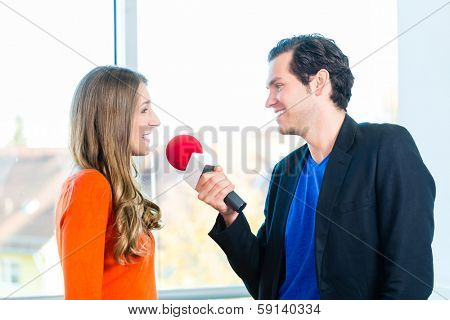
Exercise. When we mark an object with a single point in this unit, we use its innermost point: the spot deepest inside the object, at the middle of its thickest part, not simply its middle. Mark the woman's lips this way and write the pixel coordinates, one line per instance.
(146, 137)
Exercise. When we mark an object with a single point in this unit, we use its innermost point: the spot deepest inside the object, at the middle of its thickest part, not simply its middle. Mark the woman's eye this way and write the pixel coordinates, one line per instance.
(144, 110)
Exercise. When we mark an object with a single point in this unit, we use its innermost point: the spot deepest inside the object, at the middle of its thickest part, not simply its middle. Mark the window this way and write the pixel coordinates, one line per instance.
(47, 46)
(10, 272)
(206, 65)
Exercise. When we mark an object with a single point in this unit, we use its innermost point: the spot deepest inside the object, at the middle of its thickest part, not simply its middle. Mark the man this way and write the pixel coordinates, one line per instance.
(349, 215)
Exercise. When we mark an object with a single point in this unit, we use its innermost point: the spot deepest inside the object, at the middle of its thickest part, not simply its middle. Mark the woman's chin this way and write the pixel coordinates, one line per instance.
(145, 151)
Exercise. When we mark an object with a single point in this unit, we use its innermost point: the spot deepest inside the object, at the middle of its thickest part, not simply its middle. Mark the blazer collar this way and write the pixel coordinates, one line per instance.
(346, 135)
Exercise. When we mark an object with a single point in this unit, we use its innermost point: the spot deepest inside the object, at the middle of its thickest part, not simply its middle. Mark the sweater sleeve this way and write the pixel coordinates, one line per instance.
(83, 231)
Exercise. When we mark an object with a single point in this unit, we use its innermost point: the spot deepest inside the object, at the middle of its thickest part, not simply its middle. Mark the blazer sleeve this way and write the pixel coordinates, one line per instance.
(244, 250)
(406, 193)
(83, 231)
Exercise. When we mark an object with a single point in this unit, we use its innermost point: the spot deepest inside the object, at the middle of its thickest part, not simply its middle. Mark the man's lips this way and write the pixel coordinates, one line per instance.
(279, 112)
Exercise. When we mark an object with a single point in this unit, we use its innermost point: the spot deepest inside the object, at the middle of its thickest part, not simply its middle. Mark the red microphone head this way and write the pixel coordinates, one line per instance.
(180, 149)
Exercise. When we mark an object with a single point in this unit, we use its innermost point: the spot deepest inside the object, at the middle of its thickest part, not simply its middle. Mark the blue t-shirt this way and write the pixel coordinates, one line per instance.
(300, 282)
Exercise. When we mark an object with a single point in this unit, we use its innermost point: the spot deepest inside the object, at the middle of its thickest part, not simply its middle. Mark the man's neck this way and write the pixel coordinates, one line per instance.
(323, 132)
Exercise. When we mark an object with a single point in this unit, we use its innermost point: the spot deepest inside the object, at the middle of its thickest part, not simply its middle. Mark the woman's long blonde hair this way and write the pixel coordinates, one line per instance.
(101, 121)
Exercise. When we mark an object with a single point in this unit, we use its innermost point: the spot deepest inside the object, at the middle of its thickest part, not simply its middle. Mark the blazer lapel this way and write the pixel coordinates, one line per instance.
(286, 191)
(334, 175)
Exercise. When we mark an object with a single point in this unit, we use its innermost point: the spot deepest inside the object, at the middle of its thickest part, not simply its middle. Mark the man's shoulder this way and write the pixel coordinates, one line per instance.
(386, 135)
(384, 129)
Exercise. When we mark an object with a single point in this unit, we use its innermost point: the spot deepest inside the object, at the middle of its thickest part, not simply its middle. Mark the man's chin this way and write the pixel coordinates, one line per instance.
(293, 131)
(281, 131)
(285, 131)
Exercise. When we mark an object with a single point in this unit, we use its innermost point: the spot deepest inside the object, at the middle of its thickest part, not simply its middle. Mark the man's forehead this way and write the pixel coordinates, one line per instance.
(282, 60)
(279, 66)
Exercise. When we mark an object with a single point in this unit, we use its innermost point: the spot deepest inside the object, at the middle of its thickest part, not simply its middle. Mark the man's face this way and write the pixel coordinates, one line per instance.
(289, 98)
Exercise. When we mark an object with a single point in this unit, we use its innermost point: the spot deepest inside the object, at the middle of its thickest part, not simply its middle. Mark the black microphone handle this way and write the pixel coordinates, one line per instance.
(232, 199)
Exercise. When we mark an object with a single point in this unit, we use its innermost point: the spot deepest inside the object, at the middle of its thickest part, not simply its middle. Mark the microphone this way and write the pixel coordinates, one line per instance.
(185, 153)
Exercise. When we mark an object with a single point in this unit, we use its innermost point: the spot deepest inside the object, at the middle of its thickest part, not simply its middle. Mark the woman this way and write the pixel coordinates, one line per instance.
(103, 222)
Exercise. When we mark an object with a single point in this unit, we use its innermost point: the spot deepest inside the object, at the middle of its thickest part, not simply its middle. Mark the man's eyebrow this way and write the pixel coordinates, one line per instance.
(273, 81)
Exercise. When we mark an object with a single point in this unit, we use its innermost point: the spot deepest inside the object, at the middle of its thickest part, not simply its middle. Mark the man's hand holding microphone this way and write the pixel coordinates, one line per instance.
(212, 188)
(185, 153)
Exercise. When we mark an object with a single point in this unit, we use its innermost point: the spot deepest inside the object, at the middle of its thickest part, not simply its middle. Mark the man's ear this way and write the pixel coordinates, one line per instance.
(320, 81)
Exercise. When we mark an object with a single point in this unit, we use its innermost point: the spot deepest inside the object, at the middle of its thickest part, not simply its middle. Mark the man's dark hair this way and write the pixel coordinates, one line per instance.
(313, 52)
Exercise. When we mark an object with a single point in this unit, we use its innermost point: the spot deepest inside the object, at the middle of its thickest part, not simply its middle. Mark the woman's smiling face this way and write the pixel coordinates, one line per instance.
(144, 120)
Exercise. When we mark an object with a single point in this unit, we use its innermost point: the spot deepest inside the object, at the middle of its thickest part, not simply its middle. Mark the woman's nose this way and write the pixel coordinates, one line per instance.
(155, 122)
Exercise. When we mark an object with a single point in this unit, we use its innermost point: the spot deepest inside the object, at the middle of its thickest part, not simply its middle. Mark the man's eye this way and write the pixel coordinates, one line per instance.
(278, 86)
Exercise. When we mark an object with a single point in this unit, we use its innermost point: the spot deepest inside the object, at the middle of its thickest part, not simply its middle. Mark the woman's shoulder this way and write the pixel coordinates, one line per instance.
(87, 179)
(85, 190)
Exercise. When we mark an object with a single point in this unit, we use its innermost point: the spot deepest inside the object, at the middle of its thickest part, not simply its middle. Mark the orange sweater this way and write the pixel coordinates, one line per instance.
(85, 238)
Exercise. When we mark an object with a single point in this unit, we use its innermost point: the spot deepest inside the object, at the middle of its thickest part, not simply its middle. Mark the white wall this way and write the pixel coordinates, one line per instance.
(424, 109)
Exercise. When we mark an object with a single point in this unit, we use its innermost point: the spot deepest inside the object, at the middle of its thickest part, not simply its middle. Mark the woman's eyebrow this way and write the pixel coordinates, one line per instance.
(146, 102)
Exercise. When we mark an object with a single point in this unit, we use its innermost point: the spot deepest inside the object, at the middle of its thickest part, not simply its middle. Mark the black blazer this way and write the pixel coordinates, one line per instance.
(374, 220)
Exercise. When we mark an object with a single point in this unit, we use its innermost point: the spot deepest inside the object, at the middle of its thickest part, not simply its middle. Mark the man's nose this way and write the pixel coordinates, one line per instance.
(271, 101)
